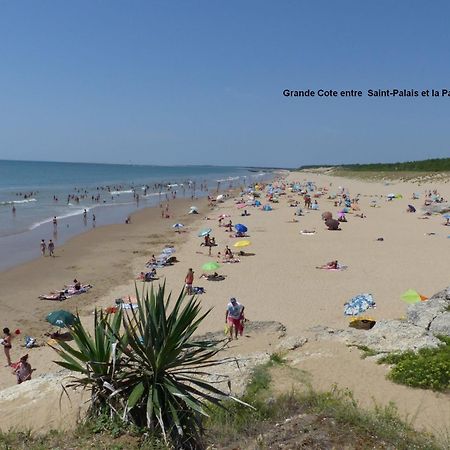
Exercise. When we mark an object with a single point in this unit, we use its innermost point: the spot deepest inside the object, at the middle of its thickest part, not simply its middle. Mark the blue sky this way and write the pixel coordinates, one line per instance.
(194, 82)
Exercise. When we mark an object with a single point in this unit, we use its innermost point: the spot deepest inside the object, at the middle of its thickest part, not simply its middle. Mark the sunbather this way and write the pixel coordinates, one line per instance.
(58, 296)
(213, 277)
(329, 265)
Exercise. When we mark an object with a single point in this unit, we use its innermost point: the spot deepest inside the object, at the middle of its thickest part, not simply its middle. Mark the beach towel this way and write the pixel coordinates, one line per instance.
(359, 304)
(339, 267)
(71, 291)
(54, 296)
(307, 233)
(129, 305)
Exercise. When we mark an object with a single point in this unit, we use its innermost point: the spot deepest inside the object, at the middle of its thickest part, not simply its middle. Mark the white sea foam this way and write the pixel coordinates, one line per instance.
(12, 202)
(78, 212)
(129, 191)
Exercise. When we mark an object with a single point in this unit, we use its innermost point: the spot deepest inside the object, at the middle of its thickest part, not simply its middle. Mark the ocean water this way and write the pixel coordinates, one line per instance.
(33, 193)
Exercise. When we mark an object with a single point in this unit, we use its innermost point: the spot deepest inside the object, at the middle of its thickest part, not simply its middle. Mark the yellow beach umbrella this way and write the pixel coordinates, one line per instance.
(240, 244)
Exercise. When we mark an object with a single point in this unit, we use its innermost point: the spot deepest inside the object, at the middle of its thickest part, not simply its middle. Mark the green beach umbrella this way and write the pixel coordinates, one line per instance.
(210, 266)
(411, 296)
(61, 318)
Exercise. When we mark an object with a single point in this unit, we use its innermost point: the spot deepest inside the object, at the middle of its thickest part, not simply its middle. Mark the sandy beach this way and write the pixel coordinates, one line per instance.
(277, 281)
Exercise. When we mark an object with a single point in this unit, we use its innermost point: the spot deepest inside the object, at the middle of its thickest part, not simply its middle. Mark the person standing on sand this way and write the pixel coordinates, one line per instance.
(189, 280)
(6, 342)
(43, 247)
(51, 248)
(234, 318)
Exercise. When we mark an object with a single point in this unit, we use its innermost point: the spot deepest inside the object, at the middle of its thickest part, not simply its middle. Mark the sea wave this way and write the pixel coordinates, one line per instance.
(129, 191)
(78, 212)
(12, 202)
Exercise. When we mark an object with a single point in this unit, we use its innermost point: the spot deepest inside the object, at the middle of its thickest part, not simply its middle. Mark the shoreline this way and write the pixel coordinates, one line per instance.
(69, 227)
(87, 257)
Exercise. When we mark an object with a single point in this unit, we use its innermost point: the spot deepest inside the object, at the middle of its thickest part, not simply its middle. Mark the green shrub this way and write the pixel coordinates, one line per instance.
(429, 368)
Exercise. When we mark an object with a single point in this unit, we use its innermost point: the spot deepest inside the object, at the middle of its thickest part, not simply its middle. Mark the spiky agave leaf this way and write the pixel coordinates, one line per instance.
(96, 358)
(167, 382)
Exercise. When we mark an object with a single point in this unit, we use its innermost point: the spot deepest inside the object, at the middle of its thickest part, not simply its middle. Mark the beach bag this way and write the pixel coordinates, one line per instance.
(30, 342)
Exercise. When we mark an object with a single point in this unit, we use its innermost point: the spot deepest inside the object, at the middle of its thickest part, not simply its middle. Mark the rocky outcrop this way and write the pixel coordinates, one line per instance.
(424, 314)
(291, 343)
(425, 321)
(441, 325)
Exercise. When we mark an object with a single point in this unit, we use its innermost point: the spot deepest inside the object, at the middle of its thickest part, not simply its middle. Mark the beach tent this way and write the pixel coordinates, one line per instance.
(411, 296)
(267, 208)
(359, 304)
(177, 226)
(257, 203)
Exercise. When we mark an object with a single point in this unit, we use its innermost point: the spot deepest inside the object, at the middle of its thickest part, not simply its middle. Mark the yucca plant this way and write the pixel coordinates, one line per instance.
(170, 391)
(159, 378)
(96, 359)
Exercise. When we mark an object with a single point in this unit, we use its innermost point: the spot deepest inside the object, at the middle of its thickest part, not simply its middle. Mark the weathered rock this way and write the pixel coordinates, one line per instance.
(441, 324)
(291, 343)
(394, 336)
(386, 336)
(422, 314)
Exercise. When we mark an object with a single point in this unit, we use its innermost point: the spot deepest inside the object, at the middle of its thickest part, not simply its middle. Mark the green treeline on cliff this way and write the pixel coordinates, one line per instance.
(427, 165)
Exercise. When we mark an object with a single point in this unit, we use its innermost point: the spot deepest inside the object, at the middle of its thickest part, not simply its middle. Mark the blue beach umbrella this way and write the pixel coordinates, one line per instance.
(204, 232)
(240, 228)
(359, 304)
(446, 216)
